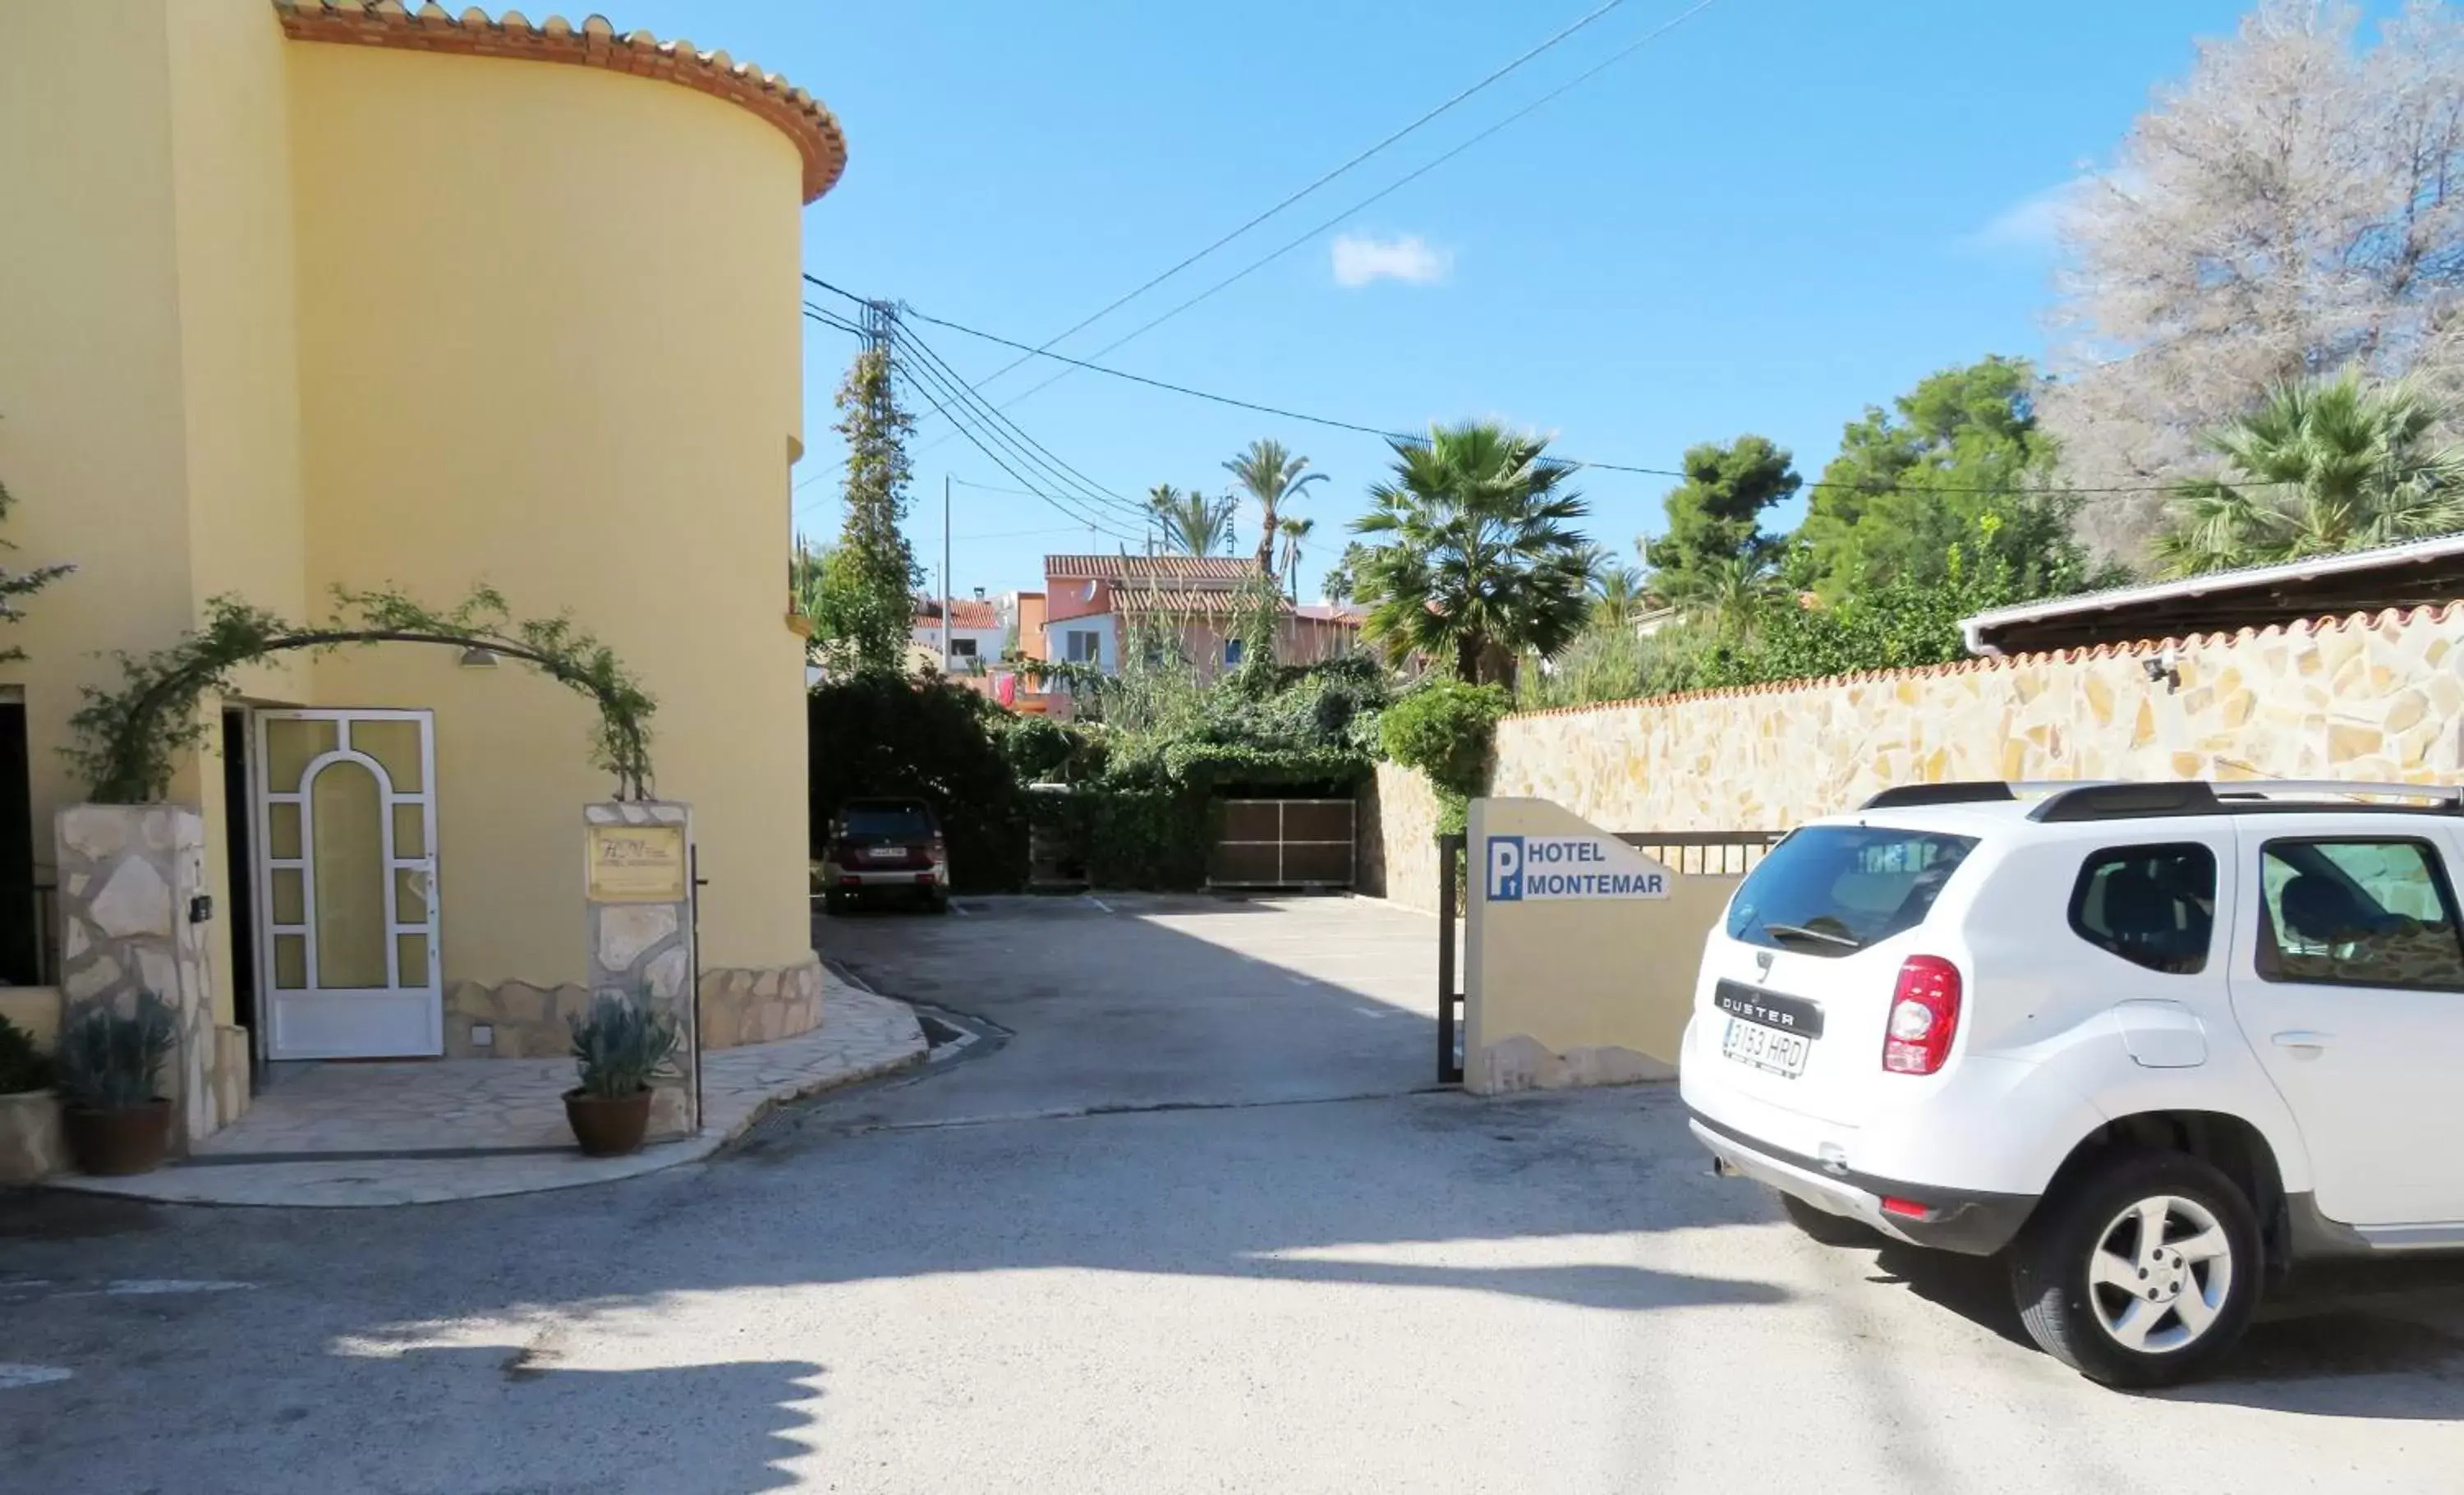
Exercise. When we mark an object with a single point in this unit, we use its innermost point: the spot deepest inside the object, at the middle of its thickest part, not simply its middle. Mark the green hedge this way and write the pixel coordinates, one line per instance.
(878, 734)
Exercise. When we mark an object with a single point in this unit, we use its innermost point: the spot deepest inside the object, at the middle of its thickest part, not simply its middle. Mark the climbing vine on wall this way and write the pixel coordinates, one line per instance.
(130, 739)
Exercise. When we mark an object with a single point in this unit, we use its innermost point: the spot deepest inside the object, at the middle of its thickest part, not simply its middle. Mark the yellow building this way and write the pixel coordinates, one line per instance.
(298, 296)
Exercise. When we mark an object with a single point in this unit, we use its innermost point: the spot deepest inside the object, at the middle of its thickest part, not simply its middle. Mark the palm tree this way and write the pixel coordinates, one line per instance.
(2322, 467)
(1193, 523)
(1474, 558)
(1727, 593)
(1274, 476)
(1294, 532)
(1620, 594)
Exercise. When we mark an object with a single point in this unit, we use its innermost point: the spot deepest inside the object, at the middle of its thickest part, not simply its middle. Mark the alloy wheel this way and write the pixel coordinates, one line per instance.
(2160, 1274)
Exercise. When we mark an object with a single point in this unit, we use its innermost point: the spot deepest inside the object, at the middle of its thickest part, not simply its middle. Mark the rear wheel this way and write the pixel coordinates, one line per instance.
(1821, 1226)
(2141, 1272)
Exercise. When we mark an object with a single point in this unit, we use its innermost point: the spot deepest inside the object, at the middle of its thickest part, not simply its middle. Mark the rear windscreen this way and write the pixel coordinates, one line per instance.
(1831, 889)
(886, 821)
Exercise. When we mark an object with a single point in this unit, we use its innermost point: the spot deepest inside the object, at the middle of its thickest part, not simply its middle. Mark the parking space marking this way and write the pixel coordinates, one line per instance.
(1099, 903)
(17, 1377)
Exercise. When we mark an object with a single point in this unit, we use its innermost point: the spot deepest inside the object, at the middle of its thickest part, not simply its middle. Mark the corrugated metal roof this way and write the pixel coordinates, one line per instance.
(2221, 585)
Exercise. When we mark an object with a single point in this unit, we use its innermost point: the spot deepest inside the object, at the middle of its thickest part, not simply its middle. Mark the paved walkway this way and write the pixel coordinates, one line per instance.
(341, 1135)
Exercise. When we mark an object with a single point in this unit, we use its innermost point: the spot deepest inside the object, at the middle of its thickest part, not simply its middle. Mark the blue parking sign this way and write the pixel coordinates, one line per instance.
(1505, 868)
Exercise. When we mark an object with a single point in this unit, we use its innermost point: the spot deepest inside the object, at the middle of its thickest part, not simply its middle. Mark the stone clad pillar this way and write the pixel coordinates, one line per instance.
(639, 898)
(131, 876)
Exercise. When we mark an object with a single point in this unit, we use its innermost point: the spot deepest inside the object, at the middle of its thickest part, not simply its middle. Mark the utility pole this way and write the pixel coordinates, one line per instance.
(945, 573)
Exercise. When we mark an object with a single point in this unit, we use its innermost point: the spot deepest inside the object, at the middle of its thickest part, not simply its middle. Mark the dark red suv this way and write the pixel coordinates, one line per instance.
(885, 849)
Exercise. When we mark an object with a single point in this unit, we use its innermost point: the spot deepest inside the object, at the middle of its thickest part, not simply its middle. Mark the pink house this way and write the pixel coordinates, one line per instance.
(1092, 603)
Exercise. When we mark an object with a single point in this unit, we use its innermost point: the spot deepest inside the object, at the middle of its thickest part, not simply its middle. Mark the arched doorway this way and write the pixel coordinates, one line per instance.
(347, 956)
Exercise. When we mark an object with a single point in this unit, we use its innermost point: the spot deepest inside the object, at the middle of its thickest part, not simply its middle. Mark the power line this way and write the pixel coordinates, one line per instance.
(1051, 481)
(1158, 383)
(975, 396)
(1385, 434)
(996, 459)
(881, 329)
(1143, 287)
(927, 387)
(1244, 272)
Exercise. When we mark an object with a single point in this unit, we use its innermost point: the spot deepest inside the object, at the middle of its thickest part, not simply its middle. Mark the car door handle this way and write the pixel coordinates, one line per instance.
(2305, 1043)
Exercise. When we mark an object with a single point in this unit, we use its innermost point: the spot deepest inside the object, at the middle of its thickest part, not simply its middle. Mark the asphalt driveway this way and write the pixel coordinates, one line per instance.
(1226, 1272)
(1130, 1000)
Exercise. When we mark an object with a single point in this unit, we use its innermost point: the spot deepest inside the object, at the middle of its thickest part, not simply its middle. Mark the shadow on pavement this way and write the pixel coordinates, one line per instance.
(2363, 1339)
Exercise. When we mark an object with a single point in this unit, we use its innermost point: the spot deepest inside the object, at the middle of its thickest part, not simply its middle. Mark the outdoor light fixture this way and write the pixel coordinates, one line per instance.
(476, 658)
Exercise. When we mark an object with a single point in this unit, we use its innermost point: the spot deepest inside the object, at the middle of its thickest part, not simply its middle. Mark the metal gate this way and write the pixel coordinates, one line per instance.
(1284, 844)
(1696, 854)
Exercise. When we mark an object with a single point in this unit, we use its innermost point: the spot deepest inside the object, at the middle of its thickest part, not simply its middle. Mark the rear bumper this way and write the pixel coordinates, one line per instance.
(1970, 1223)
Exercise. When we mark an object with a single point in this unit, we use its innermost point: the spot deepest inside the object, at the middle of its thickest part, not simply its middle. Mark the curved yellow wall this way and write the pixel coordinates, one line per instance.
(548, 323)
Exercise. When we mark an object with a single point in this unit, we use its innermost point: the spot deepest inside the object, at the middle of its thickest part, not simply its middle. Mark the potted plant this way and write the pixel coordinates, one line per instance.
(624, 1047)
(29, 1115)
(112, 1110)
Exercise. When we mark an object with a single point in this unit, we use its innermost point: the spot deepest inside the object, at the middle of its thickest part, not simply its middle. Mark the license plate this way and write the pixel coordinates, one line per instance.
(884, 853)
(1766, 1048)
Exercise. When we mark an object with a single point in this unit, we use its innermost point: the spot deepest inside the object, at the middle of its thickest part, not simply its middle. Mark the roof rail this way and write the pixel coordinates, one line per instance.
(2128, 801)
(2451, 796)
(2106, 798)
(1965, 791)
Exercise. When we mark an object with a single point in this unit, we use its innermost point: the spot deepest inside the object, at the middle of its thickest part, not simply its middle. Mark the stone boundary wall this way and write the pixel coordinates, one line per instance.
(1399, 839)
(2369, 696)
(740, 1006)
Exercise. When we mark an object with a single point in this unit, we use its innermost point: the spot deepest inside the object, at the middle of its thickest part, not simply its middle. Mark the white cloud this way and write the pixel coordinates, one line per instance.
(1361, 261)
(2031, 225)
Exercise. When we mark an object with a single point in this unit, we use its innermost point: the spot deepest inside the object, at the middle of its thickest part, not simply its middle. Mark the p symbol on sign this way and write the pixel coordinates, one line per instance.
(1505, 868)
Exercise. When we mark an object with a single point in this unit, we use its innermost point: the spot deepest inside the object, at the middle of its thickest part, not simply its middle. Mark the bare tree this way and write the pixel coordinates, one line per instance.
(2294, 205)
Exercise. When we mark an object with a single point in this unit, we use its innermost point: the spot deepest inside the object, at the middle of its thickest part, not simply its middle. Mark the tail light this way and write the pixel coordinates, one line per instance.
(1925, 1017)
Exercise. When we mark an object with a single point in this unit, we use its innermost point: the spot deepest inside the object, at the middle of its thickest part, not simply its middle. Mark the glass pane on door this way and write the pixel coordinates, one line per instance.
(345, 816)
(291, 745)
(396, 745)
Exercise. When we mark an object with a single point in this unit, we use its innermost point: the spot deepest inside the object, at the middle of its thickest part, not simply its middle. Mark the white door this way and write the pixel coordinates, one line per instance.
(348, 964)
(2349, 979)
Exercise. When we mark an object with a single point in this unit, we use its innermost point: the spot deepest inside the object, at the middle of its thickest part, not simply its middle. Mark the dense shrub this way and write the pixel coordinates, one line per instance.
(1445, 729)
(876, 734)
(1146, 776)
(23, 1066)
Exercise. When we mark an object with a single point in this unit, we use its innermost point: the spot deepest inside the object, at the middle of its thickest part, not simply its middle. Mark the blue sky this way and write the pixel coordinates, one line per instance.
(1781, 213)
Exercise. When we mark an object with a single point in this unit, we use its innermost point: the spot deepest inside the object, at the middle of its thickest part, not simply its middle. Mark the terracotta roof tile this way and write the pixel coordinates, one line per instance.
(965, 612)
(594, 43)
(1181, 569)
(1217, 600)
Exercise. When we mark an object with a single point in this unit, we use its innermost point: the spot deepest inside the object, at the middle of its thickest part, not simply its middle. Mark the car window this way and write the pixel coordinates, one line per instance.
(876, 819)
(1831, 889)
(2152, 906)
(2358, 912)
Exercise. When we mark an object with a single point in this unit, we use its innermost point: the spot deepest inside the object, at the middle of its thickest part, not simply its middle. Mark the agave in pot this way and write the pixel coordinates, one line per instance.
(623, 1047)
(110, 1076)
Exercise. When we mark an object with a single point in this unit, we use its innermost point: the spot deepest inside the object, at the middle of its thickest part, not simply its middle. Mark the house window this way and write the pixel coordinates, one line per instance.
(1231, 652)
(1081, 647)
(962, 648)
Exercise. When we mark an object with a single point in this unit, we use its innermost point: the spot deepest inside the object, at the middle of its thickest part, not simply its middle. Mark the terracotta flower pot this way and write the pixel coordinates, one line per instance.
(111, 1144)
(609, 1126)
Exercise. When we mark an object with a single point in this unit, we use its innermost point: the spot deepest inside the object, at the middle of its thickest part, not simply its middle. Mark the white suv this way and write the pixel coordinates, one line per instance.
(2159, 1039)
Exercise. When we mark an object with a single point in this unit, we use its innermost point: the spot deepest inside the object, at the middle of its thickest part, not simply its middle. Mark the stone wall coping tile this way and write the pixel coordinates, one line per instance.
(2385, 619)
